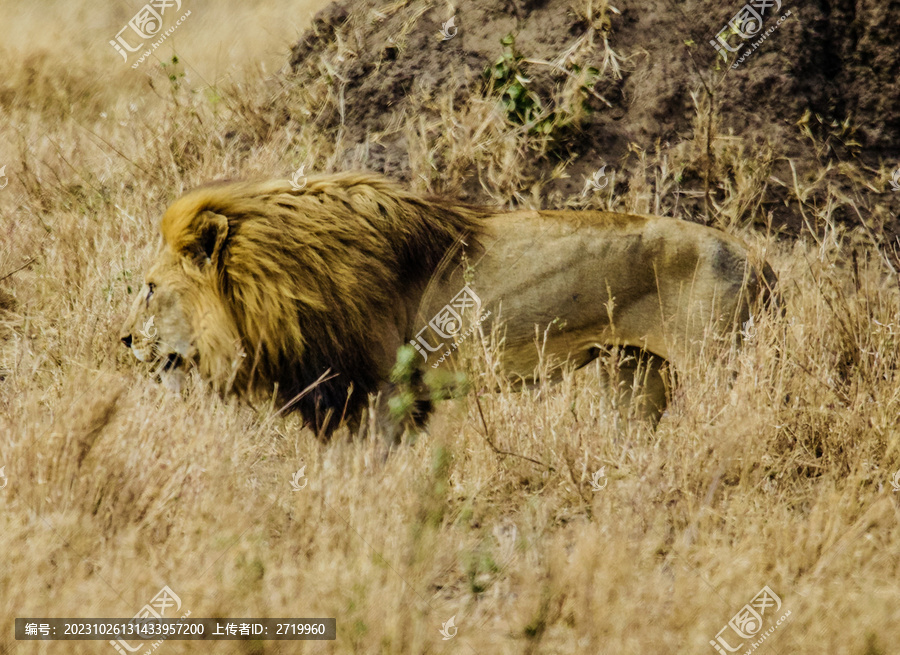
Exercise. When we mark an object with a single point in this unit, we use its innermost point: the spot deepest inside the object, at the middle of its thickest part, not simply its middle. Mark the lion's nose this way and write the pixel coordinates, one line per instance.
(126, 339)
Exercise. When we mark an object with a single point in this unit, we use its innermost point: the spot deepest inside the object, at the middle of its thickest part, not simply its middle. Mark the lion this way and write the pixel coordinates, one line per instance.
(309, 293)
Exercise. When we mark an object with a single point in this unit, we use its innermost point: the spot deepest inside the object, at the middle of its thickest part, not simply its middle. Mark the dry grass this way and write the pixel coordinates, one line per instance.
(772, 466)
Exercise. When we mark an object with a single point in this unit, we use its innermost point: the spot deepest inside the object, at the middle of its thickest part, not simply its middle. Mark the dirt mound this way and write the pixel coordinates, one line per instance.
(808, 110)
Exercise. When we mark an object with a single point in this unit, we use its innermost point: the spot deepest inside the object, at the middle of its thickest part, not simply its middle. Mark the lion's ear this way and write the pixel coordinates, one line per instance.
(209, 231)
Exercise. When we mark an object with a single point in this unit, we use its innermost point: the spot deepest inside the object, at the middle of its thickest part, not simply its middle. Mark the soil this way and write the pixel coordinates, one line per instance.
(819, 92)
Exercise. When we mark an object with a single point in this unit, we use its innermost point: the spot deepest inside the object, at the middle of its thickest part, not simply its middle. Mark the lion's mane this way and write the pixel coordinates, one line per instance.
(302, 273)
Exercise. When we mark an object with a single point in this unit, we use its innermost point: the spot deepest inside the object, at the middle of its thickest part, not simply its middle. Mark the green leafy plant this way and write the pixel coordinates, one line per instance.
(174, 71)
(508, 78)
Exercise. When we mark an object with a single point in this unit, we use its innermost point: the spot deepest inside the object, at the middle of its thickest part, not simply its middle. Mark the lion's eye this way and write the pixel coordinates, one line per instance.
(152, 288)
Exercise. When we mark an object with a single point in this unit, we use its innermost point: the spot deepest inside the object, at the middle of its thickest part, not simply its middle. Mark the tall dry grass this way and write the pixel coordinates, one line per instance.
(772, 466)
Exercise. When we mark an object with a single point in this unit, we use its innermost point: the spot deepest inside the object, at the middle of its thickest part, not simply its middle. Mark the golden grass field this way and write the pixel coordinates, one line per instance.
(773, 466)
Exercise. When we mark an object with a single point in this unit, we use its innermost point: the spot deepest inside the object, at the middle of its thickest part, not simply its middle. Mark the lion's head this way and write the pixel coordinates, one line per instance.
(271, 289)
(176, 315)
